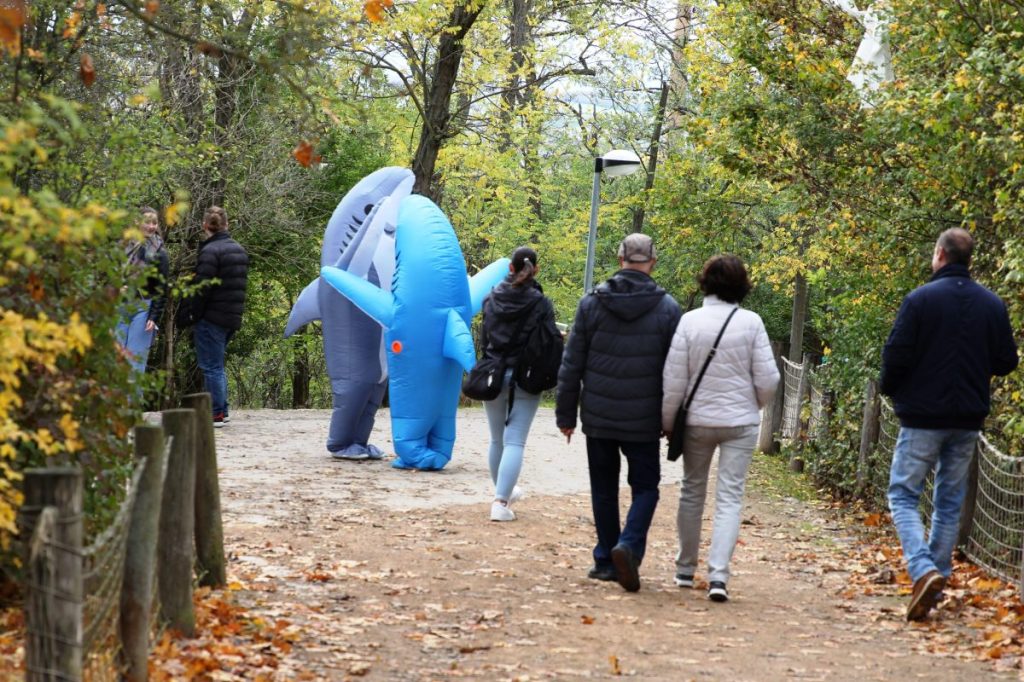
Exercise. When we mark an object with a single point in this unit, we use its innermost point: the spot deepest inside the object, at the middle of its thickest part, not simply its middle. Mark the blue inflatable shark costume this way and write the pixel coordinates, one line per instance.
(359, 240)
(426, 316)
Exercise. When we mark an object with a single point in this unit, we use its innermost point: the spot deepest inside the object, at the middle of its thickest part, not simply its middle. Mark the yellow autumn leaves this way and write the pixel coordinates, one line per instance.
(32, 344)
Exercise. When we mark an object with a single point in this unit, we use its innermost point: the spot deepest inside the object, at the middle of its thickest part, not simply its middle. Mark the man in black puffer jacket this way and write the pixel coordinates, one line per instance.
(617, 348)
(217, 308)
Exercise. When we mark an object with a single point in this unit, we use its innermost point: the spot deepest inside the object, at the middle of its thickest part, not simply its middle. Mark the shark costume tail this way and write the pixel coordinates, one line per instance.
(360, 240)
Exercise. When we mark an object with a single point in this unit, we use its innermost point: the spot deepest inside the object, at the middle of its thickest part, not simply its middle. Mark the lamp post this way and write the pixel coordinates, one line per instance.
(615, 163)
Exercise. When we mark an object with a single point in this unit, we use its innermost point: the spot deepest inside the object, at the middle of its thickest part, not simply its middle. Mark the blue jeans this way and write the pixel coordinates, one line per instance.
(132, 335)
(917, 452)
(211, 341)
(644, 475)
(508, 435)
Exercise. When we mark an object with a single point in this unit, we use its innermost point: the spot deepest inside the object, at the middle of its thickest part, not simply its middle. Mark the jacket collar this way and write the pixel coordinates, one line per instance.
(223, 234)
(711, 299)
(951, 270)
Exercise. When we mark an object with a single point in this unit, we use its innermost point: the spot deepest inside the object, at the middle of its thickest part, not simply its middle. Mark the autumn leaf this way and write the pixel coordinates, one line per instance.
(86, 70)
(375, 9)
(208, 48)
(987, 585)
(614, 662)
(35, 288)
(303, 153)
(587, 620)
(12, 18)
(152, 7)
(873, 520)
(101, 9)
(71, 25)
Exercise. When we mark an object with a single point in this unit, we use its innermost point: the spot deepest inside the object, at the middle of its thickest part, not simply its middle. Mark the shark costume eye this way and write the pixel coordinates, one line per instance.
(396, 347)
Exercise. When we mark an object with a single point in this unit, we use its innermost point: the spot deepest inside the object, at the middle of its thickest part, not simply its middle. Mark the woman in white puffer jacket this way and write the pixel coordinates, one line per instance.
(740, 380)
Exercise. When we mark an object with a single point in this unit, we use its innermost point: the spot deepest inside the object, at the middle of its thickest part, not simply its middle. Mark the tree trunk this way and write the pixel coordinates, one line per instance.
(300, 379)
(437, 102)
(652, 156)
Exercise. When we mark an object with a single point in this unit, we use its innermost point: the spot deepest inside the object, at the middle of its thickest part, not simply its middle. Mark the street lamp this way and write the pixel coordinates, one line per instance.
(615, 163)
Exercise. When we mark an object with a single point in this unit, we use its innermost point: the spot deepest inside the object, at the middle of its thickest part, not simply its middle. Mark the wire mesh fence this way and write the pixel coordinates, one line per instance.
(996, 540)
(103, 573)
(792, 378)
(64, 578)
(997, 533)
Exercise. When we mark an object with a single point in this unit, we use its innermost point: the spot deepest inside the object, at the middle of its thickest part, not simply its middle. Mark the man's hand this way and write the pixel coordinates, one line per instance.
(567, 432)
(151, 326)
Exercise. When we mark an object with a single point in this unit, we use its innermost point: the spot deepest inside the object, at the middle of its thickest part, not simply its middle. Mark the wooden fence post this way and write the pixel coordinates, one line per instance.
(140, 555)
(53, 648)
(772, 418)
(210, 564)
(796, 462)
(177, 520)
(971, 500)
(869, 431)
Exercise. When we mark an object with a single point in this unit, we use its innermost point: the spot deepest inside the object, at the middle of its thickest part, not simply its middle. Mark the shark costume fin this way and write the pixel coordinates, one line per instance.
(482, 282)
(305, 310)
(458, 341)
(378, 304)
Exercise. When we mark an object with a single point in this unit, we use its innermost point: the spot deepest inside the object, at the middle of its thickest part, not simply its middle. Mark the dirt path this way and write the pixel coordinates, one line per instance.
(393, 575)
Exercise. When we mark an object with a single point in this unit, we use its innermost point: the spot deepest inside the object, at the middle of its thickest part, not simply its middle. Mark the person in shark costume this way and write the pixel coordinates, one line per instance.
(360, 240)
(426, 316)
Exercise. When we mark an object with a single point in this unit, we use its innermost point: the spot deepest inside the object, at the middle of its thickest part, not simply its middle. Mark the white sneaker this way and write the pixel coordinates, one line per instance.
(500, 512)
(517, 494)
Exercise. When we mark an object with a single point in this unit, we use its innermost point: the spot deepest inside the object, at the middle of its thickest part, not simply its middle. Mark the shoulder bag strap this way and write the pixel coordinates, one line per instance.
(711, 354)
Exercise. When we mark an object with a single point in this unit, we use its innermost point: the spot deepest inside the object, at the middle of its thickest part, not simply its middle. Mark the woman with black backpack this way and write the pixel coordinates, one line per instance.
(513, 311)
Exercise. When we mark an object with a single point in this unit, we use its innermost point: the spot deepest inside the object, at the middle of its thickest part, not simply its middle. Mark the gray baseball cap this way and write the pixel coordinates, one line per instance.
(637, 248)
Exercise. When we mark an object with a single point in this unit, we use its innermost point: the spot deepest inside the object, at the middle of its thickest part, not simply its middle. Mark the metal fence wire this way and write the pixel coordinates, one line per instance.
(996, 541)
(997, 534)
(102, 575)
(817, 423)
(792, 375)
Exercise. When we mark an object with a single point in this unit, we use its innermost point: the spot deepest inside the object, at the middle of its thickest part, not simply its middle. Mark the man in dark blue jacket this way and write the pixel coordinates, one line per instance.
(617, 348)
(950, 338)
(217, 307)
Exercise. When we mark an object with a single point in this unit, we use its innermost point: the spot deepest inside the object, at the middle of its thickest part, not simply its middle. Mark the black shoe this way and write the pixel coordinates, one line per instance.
(717, 591)
(684, 580)
(626, 567)
(602, 573)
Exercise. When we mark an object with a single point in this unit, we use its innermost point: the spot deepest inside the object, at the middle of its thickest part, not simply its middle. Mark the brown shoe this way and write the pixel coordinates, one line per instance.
(926, 593)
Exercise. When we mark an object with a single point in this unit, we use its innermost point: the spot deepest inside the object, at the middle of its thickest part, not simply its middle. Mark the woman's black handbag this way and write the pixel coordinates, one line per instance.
(483, 382)
(675, 443)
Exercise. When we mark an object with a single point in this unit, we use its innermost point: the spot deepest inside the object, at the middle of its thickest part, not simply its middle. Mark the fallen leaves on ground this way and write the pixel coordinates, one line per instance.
(980, 617)
(230, 644)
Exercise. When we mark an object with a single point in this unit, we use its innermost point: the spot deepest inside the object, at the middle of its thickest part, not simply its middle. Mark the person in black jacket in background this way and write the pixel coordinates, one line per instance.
(141, 322)
(511, 311)
(616, 351)
(217, 308)
(951, 336)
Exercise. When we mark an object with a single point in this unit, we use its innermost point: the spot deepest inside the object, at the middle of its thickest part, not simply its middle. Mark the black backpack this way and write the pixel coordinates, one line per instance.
(537, 368)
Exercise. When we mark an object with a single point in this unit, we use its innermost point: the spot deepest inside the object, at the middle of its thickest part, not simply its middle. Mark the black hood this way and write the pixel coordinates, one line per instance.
(629, 294)
(508, 301)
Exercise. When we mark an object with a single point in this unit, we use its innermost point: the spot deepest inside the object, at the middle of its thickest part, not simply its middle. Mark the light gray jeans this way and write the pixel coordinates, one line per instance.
(736, 447)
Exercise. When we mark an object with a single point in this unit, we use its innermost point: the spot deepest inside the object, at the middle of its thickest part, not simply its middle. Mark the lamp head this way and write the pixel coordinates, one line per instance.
(619, 162)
